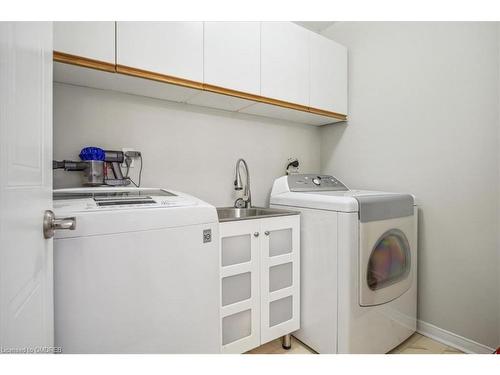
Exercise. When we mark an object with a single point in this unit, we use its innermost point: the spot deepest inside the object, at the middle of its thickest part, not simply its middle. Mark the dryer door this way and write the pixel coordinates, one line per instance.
(386, 259)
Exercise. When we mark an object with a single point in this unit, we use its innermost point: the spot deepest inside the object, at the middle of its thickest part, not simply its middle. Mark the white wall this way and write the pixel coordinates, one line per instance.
(424, 119)
(186, 148)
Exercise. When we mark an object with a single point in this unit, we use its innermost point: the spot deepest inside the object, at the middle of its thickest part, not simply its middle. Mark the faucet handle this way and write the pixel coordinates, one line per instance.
(240, 203)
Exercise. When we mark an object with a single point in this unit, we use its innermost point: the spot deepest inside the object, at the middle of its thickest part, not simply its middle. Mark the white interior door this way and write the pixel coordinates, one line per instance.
(26, 302)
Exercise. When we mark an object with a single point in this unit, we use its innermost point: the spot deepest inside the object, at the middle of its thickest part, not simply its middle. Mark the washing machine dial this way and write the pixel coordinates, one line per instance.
(317, 181)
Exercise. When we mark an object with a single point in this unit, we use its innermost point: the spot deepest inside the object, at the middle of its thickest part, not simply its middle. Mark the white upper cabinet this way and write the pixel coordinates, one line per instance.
(328, 74)
(271, 61)
(170, 48)
(232, 55)
(93, 40)
(285, 62)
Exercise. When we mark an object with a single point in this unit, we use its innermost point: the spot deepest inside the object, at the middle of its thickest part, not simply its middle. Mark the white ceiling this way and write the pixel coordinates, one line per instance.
(316, 26)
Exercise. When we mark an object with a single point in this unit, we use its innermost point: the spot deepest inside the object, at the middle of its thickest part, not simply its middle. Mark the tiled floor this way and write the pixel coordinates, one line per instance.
(274, 347)
(416, 344)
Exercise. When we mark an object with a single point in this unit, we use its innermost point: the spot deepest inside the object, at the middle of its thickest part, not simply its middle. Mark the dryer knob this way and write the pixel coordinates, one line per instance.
(316, 181)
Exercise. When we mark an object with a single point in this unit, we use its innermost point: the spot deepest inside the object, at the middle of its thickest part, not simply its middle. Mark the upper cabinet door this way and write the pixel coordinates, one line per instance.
(328, 72)
(232, 55)
(285, 62)
(93, 40)
(170, 48)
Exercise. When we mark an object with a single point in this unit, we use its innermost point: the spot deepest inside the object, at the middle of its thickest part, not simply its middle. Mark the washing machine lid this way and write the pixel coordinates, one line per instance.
(331, 202)
(118, 198)
(103, 210)
(301, 190)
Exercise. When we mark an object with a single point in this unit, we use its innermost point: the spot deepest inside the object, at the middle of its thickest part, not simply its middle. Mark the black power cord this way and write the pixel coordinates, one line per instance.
(292, 162)
(128, 161)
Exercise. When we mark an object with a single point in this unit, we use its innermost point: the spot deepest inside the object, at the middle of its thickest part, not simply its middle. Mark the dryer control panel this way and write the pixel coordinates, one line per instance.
(314, 182)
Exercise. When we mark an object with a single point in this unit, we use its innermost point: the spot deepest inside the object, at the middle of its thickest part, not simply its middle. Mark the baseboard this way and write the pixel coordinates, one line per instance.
(451, 339)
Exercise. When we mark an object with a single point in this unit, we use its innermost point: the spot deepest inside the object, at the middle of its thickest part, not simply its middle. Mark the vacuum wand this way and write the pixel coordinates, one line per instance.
(69, 165)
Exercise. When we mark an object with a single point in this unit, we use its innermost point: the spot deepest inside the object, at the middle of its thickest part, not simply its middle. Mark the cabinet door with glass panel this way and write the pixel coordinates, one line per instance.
(240, 285)
(259, 281)
(280, 277)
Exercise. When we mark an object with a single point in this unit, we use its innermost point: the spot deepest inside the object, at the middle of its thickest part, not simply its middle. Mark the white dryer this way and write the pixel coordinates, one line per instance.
(358, 264)
(139, 274)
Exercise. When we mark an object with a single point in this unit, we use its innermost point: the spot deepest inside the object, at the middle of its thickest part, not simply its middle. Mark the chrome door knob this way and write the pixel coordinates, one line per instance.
(266, 233)
(51, 223)
(256, 234)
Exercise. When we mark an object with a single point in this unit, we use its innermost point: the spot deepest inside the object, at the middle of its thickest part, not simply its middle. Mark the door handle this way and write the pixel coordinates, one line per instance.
(51, 224)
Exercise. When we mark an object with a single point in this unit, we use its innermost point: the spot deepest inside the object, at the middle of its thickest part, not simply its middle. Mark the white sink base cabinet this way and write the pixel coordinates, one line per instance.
(260, 281)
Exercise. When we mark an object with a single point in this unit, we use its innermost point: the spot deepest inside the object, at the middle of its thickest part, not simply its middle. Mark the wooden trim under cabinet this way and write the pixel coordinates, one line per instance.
(66, 58)
(145, 74)
(271, 101)
(253, 97)
(230, 92)
(323, 112)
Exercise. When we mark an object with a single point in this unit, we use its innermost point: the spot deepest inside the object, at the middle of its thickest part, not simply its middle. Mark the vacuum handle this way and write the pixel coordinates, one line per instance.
(112, 156)
(117, 170)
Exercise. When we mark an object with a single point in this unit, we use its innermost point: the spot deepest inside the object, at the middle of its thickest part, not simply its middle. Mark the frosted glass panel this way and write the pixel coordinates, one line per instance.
(236, 326)
(280, 276)
(235, 249)
(280, 242)
(280, 311)
(236, 288)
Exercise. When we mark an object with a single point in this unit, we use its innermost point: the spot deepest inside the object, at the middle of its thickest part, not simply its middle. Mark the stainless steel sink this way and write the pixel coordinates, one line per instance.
(233, 214)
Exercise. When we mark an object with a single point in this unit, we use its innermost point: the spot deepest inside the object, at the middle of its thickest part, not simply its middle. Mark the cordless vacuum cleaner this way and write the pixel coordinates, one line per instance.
(101, 167)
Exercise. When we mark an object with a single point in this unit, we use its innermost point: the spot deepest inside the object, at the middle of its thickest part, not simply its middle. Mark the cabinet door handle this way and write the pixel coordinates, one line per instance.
(256, 234)
(266, 233)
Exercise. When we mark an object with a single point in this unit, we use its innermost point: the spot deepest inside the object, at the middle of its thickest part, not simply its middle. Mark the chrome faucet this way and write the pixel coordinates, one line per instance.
(246, 201)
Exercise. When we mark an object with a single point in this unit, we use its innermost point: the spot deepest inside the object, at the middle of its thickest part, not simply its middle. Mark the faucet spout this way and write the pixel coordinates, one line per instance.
(246, 201)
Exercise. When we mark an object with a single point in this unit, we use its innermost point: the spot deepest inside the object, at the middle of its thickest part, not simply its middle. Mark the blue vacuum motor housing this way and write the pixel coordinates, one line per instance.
(92, 153)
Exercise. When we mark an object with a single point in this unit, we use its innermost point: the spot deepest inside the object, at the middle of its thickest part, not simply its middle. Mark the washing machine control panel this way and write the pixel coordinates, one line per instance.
(314, 182)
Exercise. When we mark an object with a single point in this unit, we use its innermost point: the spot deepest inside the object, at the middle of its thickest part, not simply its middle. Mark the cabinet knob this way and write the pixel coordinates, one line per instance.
(256, 234)
(266, 233)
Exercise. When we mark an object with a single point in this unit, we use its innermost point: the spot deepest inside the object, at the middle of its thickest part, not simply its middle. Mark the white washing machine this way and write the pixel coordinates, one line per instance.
(358, 264)
(139, 274)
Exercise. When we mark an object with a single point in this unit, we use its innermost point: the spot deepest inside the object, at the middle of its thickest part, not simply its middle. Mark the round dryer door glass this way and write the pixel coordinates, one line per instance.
(389, 261)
